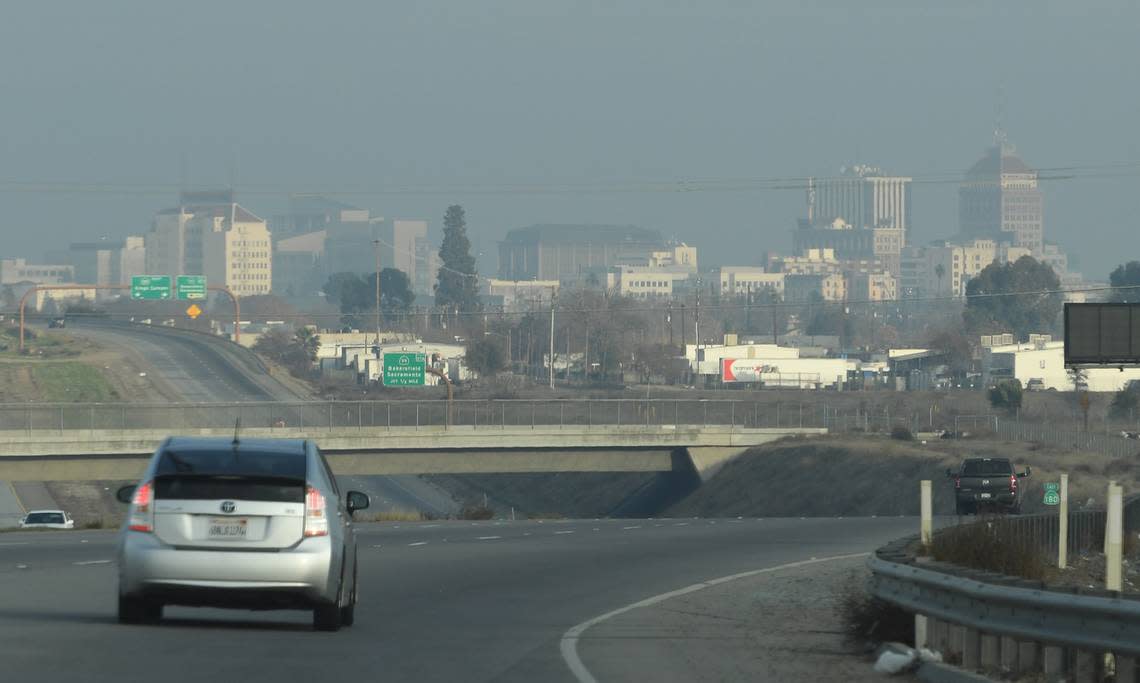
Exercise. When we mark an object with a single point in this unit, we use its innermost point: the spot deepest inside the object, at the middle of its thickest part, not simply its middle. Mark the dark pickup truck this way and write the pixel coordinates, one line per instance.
(987, 483)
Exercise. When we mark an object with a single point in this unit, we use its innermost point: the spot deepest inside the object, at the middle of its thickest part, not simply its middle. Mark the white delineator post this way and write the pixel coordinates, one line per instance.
(927, 510)
(1063, 524)
(1114, 545)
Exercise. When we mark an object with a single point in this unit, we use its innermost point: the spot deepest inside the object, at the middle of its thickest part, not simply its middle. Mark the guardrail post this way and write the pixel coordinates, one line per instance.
(927, 508)
(1125, 669)
(1028, 656)
(1053, 661)
(1114, 532)
(1084, 667)
(991, 652)
(1007, 653)
(971, 649)
(1063, 524)
(921, 631)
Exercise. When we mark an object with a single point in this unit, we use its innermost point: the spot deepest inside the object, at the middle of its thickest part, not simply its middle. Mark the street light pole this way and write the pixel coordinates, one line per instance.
(553, 295)
(376, 248)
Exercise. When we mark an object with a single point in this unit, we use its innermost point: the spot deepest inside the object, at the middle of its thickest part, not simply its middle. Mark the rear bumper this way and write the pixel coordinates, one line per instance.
(302, 576)
(1007, 499)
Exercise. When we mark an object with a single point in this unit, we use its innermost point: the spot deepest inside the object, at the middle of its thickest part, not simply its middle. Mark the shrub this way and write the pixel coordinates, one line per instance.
(1124, 404)
(476, 512)
(867, 620)
(901, 433)
(1006, 395)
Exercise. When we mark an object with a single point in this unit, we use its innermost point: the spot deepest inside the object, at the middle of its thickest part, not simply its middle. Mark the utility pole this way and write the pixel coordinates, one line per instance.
(684, 328)
(669, 322)
(748, 325)
(376, 249)
(553, 296)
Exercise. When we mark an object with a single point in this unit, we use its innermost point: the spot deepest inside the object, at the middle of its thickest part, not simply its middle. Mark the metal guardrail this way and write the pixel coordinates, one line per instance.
(1090, 621)
(477, 414)
(1005, 606)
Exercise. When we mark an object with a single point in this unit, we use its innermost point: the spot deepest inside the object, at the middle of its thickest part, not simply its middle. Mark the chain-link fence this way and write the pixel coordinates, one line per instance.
(63, 417)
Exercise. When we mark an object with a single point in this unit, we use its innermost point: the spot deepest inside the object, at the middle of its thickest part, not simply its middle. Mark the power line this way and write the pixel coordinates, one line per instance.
(1099, 170)
(664, 307)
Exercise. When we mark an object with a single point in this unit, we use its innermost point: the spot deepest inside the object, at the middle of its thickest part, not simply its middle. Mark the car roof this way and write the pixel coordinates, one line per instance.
(188, 444)
(36, 512)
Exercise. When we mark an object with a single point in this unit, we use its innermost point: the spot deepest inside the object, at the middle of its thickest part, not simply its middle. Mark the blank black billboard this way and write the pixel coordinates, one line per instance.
(1102, 334)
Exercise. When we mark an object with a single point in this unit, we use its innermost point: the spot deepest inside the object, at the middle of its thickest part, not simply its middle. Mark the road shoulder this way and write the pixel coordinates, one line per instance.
(776, 626)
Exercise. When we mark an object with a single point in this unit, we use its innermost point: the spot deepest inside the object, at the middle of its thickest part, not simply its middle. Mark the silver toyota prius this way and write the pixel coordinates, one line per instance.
(253, 524)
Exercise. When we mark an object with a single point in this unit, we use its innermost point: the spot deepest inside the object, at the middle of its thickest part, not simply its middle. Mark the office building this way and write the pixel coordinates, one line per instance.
(14, 271)
(565, 252)
(999, 200)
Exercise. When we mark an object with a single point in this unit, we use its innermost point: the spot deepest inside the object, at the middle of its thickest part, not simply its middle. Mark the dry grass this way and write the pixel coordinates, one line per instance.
(992, 546)
(867, 620)
(395, 516)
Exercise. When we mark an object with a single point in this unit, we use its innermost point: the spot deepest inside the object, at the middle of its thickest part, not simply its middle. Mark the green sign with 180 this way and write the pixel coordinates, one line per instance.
(1052, 493)
(404, 369)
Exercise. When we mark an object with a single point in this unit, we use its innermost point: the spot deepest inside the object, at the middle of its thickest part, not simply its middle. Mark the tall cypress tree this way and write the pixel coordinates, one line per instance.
(457, 277)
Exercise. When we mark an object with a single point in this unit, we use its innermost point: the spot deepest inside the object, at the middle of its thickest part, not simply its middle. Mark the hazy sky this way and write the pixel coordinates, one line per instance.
(443, 96)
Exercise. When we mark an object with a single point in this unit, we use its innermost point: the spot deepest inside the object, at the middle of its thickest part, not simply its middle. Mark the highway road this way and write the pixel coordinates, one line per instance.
(194, 370)
(446, 601)
(190, 367)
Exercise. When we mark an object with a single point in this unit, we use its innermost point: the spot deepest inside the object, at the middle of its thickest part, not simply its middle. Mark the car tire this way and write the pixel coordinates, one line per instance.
(327, 617)
(136, 610)
(348, 612)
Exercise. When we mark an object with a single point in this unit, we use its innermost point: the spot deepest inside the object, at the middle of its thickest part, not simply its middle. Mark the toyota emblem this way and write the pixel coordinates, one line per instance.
(228, 506)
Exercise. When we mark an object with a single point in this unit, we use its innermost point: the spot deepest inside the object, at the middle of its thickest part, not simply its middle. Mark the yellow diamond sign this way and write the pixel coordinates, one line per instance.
(193, 311)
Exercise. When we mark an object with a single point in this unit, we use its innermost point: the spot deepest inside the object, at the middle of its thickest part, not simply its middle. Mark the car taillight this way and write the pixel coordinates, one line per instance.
(142, 510)
(1013, 483)
(957, 482)
(316, 523)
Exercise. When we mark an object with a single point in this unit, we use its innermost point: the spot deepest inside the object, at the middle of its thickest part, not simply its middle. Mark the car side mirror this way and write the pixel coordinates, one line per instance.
(125, 494)
(355, 500)
(1028, 471)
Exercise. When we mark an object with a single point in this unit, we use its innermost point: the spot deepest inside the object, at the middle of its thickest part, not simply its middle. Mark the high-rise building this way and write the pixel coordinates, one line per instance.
(862, 196)
(236, 249)
(564, 252)
(999, 200)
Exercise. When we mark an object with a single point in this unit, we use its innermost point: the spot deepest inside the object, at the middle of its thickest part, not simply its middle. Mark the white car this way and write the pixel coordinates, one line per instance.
(47, 519)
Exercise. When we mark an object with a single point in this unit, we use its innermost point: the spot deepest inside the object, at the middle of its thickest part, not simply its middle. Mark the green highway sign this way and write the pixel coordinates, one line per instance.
(404, 369)
(191, 287)
(1052, 495)
(150, 287)
(1052, 486)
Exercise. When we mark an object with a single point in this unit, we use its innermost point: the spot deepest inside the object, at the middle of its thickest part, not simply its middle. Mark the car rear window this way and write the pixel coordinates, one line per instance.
(231, 474)
(986, 468)
(44, 518)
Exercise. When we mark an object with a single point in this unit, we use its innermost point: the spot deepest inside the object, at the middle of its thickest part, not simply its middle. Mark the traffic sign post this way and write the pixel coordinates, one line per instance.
(150, 287)
(404, 369)
(191, 287)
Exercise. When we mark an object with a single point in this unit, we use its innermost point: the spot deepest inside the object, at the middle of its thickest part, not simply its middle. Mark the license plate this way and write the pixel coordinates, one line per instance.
(983, 496)
(228, 528)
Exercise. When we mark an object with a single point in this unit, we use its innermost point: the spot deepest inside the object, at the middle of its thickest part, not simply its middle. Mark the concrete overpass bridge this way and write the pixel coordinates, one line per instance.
(113, 442)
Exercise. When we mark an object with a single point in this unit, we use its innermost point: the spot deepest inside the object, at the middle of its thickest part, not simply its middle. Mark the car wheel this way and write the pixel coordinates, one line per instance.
(348, 612)
(136, 610)
(327, 617)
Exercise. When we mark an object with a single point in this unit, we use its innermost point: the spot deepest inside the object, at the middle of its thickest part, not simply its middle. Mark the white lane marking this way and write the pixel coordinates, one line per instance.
(430, 526)
(21, 566)
(87, 562)
(417, 543)
(563, 532)
(630, 527)
(489, 538)
(569, 644)
(376, 546)
(681, 524)
(20, 543)
(597, 529)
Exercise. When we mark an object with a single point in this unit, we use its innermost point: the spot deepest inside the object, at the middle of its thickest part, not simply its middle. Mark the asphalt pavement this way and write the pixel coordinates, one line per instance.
(439, 601)
(195, 370)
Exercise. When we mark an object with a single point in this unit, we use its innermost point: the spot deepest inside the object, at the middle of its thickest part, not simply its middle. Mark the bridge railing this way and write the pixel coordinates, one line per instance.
(475, 414)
